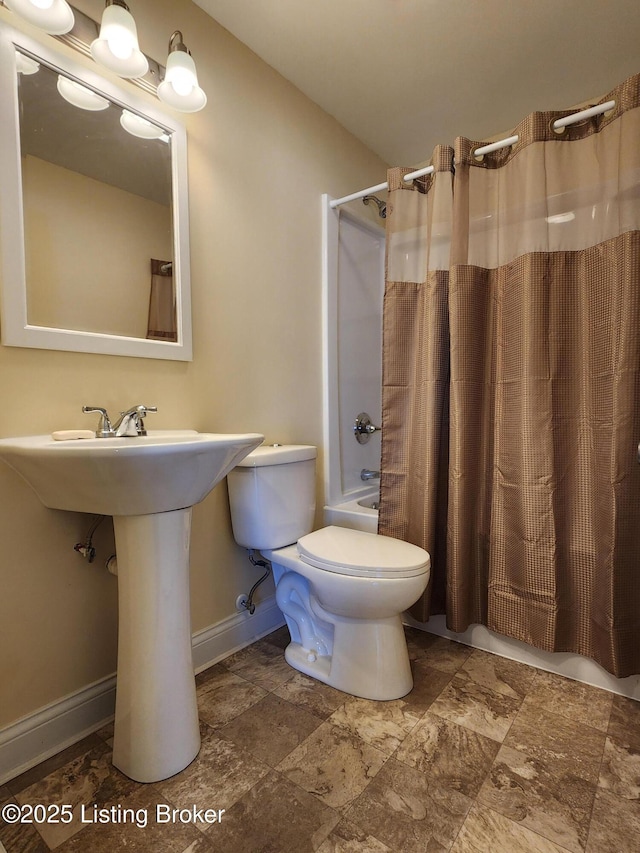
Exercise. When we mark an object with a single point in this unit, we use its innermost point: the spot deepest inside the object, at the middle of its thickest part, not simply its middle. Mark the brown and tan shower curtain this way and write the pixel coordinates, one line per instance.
(415, 395)
(543, 498)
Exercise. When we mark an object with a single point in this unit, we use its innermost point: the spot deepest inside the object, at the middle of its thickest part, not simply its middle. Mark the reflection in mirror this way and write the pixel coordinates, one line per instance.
(97, 208)
(104, 260)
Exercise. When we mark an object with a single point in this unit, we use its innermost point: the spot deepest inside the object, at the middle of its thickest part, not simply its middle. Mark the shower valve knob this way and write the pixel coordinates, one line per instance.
(363, 429)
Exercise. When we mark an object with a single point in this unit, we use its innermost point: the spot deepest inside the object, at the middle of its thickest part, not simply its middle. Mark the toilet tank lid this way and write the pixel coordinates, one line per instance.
(278, 454)
(368, 554)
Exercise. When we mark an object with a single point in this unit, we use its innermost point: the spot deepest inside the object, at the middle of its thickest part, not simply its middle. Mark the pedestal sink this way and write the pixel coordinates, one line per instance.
(148, 484)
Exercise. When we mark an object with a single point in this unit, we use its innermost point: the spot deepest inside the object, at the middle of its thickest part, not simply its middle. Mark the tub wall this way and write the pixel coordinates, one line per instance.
(353, 294)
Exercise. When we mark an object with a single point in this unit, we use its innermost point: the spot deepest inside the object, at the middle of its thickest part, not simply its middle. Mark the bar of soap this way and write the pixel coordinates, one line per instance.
(69, 434)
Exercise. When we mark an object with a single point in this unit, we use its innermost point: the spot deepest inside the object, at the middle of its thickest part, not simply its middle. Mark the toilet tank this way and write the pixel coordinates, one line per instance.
(272, 496)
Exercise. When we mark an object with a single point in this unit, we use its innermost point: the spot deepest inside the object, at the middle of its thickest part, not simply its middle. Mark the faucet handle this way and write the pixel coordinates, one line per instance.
(105, 430)
(363, 429)
(136, 415)
(143, 411)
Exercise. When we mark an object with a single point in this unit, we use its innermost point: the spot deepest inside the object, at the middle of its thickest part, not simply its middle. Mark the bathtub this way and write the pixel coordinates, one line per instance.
(360, 513)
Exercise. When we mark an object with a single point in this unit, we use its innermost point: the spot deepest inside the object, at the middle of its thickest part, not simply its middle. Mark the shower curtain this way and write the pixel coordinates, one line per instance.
(543, 329)
(415, 345)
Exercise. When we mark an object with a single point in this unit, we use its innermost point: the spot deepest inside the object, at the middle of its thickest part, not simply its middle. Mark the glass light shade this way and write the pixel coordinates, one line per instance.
(80, 96)
(117, 45)
(52, 16)
(141, 127)
(180, 89)
(26, 65)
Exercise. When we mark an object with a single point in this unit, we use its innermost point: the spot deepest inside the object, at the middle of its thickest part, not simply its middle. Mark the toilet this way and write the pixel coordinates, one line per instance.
(341, 591)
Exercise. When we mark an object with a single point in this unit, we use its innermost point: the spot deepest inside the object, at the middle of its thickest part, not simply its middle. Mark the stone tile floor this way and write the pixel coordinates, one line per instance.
(485, 755)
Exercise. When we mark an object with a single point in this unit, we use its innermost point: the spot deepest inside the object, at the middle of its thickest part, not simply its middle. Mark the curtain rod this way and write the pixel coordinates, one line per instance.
(558, 126)
(379, 187)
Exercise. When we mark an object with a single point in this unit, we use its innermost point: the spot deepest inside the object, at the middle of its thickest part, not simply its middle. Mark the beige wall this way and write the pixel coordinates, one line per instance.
(260, 156)
(88, 250)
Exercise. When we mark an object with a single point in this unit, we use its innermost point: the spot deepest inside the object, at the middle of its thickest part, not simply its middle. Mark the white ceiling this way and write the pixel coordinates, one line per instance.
(403, 75)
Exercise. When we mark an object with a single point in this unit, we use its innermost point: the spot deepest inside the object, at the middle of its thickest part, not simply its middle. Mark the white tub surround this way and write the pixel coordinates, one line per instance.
(353, 288)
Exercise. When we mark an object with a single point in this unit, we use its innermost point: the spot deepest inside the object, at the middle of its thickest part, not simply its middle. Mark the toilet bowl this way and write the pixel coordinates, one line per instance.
(341, 591)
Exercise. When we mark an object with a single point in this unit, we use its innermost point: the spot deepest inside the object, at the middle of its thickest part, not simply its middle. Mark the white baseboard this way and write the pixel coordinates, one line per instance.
(49, 730)
(576, 667)
(237, 631)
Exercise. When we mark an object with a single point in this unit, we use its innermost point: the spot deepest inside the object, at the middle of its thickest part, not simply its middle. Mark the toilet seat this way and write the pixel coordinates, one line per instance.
(358, 554)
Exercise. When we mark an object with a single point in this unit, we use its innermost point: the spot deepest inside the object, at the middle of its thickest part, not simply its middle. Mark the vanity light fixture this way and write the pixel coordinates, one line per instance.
(52, 16)
(180, 89)
(141, 127)
(80, 96)
(116, 48)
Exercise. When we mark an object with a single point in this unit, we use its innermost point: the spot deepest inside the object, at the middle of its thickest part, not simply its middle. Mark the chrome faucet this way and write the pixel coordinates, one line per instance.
(130, 423)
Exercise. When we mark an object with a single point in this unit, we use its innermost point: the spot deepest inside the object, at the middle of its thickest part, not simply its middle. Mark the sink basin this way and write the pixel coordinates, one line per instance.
(148, 484)
(159, 472)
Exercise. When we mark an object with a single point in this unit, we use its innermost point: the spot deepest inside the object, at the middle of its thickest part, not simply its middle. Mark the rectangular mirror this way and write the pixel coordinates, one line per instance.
(93, 211)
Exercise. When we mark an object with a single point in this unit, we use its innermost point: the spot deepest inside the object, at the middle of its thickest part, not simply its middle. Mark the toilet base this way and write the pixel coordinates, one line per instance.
(369, 659)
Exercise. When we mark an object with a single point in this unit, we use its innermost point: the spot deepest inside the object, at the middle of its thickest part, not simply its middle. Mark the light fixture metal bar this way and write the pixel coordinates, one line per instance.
(85, 30)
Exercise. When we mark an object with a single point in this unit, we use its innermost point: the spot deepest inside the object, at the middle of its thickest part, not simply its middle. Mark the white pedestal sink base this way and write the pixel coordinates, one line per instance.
(143, 482)
(156, 729)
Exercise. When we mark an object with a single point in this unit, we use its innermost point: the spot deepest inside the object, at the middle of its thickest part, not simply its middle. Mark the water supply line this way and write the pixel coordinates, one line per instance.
(86, 548)
(245, 602)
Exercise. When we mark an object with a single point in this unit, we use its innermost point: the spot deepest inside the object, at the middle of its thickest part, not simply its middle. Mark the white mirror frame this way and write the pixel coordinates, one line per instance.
(15, 329)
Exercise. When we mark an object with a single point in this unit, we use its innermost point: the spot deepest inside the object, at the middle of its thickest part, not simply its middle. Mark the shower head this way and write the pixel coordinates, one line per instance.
(382, 205)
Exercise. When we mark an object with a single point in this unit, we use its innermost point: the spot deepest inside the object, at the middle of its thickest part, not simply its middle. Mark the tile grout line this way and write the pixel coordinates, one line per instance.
(597, 785)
